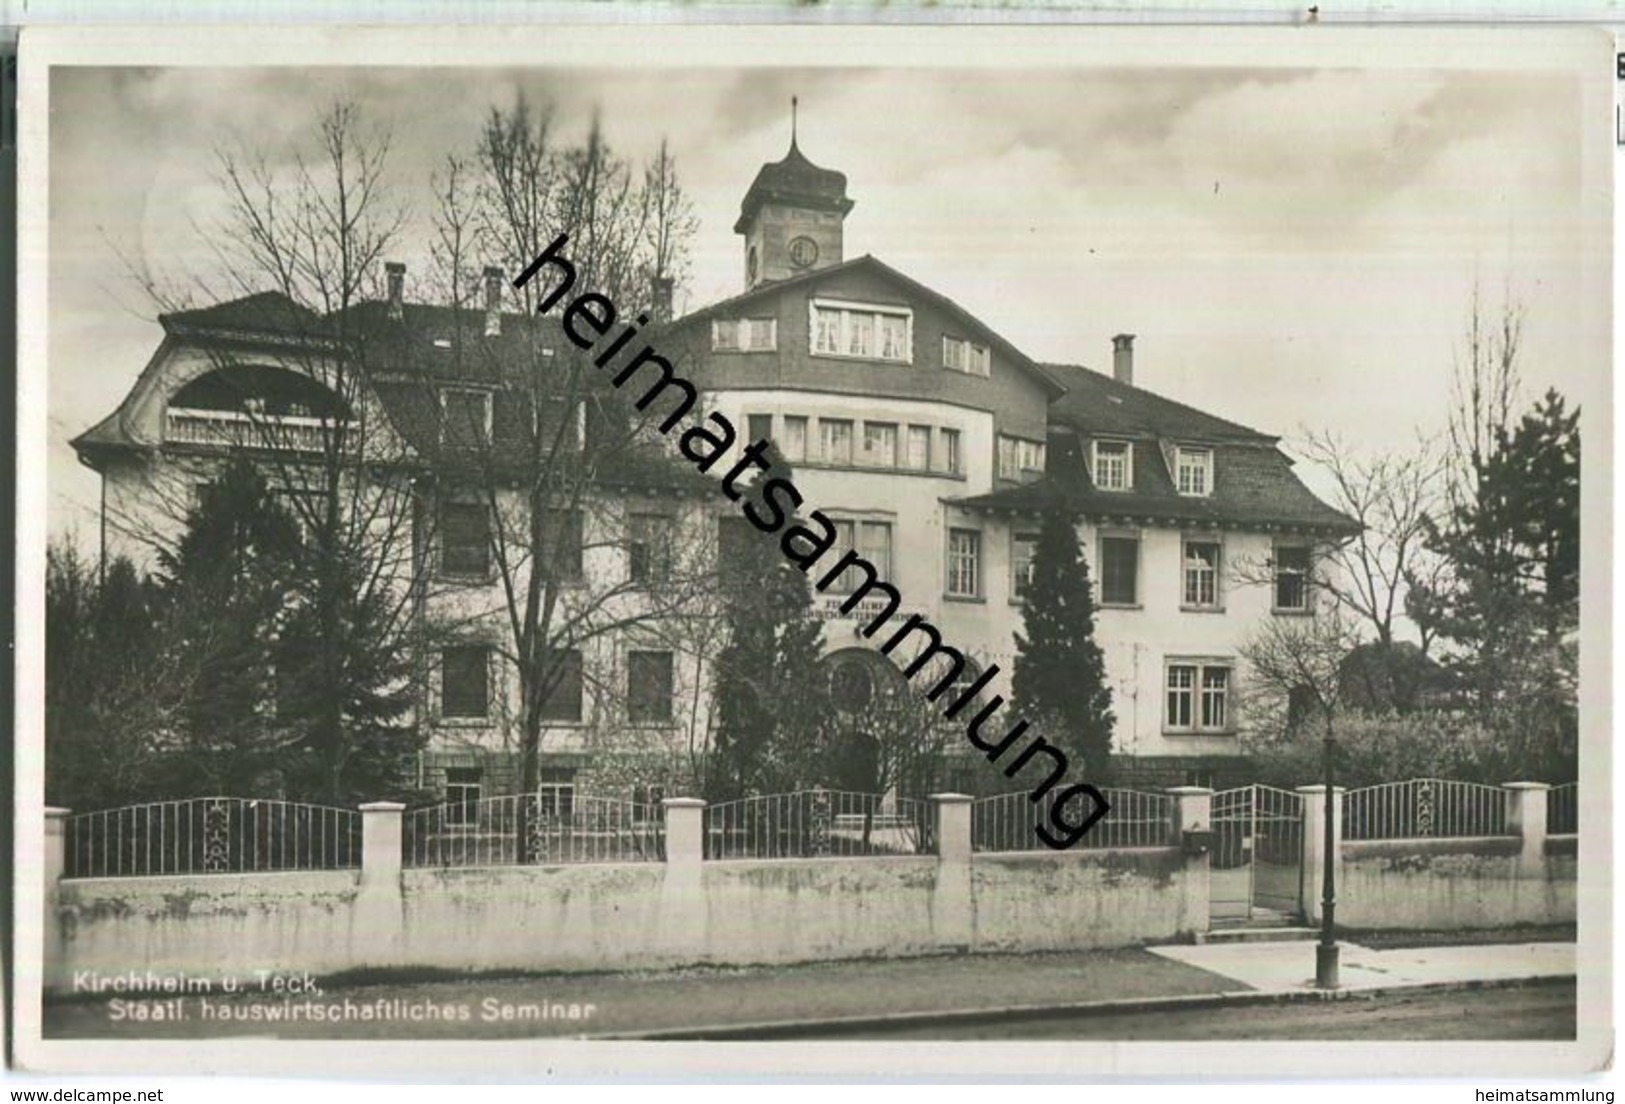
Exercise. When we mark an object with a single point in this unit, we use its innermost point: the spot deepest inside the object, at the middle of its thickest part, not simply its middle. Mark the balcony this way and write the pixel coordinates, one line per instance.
(236, 429)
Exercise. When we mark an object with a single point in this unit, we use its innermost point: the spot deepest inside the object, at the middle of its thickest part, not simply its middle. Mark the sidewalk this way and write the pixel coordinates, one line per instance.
(679, 1003)
(1287, 966)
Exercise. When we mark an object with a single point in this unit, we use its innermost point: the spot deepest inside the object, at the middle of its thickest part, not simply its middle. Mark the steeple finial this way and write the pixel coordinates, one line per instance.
(793, 104)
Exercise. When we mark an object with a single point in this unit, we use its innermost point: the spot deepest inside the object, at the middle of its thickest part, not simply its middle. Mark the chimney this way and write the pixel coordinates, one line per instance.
(397, 280)
(1123, 359)
(660, 293)
(493, 301)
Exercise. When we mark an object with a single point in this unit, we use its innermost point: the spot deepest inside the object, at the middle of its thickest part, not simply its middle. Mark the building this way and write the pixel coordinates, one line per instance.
(932, 441)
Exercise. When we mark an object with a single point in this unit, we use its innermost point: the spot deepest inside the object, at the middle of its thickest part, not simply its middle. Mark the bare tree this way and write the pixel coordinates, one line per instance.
(1390, 496)
(557, 459)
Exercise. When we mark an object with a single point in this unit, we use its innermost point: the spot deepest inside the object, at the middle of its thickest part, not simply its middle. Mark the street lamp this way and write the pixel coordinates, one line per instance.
(1326, 951)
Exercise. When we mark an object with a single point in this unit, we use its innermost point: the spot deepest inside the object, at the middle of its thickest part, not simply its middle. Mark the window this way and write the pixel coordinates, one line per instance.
(1292, 578)
(556, 793)
(759, 427)
(1119, 570)
(1193, 469)
(873, 333)
(1022, 547)
(950, 451)
(465, 417)
(880, 444)
(869, 539)
(462, 795)
(959, 355)
(874, 545)
(1198, 697)
(919, 448)
(964, 563)
(465, 539)
(465, 681)
(860, 334)
(1215, 697)
(648, 547)
(1017, 456)
(1114, 465)
(744, 335)
(835, 437)
(562, 536)
(563, 701)
(1201, 574)
(795, 438)
(561, 425)
(648, 687)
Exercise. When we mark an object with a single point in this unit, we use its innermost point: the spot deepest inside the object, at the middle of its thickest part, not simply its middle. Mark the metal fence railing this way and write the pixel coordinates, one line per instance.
(1010, 822)
(1563, 809)
(210, 835)
(533, 829)
(1424, 808)
(817, 823)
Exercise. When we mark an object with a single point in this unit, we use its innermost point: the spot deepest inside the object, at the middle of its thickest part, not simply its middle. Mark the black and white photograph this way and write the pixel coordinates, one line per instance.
(626, 538)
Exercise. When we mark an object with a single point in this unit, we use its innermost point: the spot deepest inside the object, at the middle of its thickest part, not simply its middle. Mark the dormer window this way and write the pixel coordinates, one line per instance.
(1193, 471)
(1113, 465)
(959, 355)
(465, 417)
(862, 331)
(744, 335)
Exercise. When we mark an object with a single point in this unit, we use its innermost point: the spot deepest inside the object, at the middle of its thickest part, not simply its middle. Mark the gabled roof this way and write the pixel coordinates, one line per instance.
(1095, 403)
(868, 262)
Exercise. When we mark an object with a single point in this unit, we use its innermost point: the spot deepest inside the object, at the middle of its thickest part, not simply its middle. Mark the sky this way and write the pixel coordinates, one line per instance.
(1295, 249)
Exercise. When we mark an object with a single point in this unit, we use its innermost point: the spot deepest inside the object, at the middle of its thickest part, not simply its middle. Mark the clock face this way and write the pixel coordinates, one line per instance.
(803, 252)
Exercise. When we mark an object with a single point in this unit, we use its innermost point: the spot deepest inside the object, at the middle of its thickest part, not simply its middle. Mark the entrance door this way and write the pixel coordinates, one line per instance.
(1257, 858)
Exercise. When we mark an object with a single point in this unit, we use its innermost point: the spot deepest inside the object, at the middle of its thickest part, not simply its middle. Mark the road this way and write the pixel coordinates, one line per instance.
(1543, 1010)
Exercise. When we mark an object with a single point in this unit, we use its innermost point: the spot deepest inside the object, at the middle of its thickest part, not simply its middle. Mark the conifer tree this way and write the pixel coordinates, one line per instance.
(1059, 681)
(227, 587)
(771, 699)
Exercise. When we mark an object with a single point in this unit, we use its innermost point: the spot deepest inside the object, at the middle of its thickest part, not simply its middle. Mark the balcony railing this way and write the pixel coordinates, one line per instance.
(235, 429)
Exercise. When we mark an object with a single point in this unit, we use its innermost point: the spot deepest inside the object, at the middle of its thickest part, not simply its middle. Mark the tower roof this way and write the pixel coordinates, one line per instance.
(797, 182)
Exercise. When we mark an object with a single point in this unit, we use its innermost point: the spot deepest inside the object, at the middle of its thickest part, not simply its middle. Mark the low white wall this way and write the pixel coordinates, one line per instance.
(624, 916)
(1430, 884)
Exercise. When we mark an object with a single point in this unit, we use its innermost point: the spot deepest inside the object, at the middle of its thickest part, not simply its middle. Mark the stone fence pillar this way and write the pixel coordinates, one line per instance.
(685, 831)
(951, 825)
(1526, 819)
(1193, 812)
(684, 917)
(1314, 846)
(53, 864)
(381, 844)
(952, 909)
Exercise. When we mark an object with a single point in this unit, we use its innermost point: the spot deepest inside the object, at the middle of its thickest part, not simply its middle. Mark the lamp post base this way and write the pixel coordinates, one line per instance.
(1326, 957)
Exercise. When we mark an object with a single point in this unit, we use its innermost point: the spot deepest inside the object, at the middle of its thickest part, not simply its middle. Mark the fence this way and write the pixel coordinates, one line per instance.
(532, 829)
(210, 835)
(815, 823)
(1563, 809)
(1424, 808)
(1009, 822)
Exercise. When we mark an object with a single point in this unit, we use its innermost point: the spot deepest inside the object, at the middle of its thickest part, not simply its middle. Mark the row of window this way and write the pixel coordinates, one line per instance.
(465, 543)
(875, 444)
(466, 686)
(1111, 465)
(1117, 570)
(466, 418)
(864, 331)
(1197, 695)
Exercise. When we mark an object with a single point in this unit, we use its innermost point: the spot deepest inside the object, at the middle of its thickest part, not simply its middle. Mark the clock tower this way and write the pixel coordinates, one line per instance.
(792, 218)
